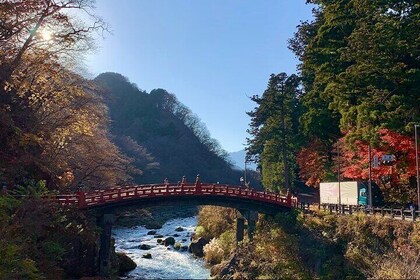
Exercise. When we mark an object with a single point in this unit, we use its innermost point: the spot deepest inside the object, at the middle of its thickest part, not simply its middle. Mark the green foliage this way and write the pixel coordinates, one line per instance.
(31, 189)
(54, 250)
(200, 231)
(274, 131)
(39, 239)
(215, 221)
(13, 265)
(227, 242)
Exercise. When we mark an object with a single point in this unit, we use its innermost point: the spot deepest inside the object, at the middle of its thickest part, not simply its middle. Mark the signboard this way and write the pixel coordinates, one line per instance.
(375, 161)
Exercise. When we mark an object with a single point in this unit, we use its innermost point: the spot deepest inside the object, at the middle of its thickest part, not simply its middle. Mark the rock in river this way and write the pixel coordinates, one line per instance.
(145, 247)
(147, 256)
(125, 263)
(196, 247)
(169, 241)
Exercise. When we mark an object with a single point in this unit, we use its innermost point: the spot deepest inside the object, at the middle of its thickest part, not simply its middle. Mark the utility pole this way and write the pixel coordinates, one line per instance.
(245, 174)
(417, 165)
(370, 178)
(338, 173)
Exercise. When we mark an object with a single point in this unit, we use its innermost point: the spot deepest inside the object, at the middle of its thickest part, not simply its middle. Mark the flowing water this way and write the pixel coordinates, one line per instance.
(164, 264)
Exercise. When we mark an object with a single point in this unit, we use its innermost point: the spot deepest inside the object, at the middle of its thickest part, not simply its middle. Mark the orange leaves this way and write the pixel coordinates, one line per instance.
(356, 160)
(312, 162)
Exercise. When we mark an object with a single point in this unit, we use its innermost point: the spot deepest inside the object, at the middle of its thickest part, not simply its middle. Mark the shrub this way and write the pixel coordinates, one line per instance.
(227, 242)
(216, 220)
(213, 252)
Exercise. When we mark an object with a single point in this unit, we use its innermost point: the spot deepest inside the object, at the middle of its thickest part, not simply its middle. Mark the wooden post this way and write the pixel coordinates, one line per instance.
(402, 214)
(81, 199)
(198, 184)
(413, 214)
(289, 198)
(392, 213)
(350, 210)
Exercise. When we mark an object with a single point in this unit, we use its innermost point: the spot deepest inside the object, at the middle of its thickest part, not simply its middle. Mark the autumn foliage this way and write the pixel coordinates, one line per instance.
(393, 177)
(312, 161)
(316, 161)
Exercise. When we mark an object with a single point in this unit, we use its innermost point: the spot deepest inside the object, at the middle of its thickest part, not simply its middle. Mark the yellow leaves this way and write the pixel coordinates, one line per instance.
(8, 87)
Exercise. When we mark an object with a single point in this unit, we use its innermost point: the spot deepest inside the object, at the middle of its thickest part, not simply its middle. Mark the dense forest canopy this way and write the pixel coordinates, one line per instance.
(360, 76)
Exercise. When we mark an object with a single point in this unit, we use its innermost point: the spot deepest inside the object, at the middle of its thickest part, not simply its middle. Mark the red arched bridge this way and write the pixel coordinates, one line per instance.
(107, 201)
(194, 193)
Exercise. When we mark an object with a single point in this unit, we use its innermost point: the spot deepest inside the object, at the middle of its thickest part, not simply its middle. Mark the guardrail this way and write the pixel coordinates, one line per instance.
(109, 196)
(395, 213)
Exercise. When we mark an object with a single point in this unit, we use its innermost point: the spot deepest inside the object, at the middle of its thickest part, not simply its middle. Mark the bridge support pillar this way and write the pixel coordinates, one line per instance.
(105, 222)
(252, 221)
(240, 226)
(251, 218)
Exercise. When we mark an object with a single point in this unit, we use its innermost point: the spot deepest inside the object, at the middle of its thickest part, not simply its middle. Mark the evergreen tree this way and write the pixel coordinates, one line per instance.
(274, 130)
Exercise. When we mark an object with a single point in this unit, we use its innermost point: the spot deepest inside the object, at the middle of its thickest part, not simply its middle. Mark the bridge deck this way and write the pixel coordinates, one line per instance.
(111, 196)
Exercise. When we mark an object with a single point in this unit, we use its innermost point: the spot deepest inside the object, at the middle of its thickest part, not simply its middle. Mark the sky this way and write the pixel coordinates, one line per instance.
(212, 54)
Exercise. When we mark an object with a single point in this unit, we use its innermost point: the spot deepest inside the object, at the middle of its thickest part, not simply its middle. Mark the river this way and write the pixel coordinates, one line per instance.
(165, 263)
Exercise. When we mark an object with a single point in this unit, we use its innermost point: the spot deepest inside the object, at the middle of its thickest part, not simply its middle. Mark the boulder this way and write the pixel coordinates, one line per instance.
(179, 229)
(151, 232)
(196, 247)
(159, 240)
(145, 247)
(147, 256)
(125, 263)
(176, 235)
(169, 241)
(184, 248)
(184, 239)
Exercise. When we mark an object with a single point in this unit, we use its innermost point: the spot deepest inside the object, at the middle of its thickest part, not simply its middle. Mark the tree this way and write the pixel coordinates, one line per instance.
(53, 123)
(360, 74)
(313, 163)
(393, 178)
(274, 126)
(44, 28)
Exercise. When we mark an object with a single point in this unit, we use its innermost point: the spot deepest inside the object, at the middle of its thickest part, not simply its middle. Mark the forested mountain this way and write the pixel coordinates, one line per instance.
(164, 138)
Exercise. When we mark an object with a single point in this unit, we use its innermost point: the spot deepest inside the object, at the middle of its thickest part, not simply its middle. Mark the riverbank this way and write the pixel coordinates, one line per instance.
(318, 246)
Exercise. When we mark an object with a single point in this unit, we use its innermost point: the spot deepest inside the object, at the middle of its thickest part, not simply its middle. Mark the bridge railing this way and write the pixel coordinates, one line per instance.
(108, 196)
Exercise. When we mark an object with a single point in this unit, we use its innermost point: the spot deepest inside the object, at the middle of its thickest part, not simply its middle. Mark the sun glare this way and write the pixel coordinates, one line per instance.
(46, 35)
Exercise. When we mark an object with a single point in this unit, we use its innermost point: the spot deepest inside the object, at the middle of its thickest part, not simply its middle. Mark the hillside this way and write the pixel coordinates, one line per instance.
(163, 136)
